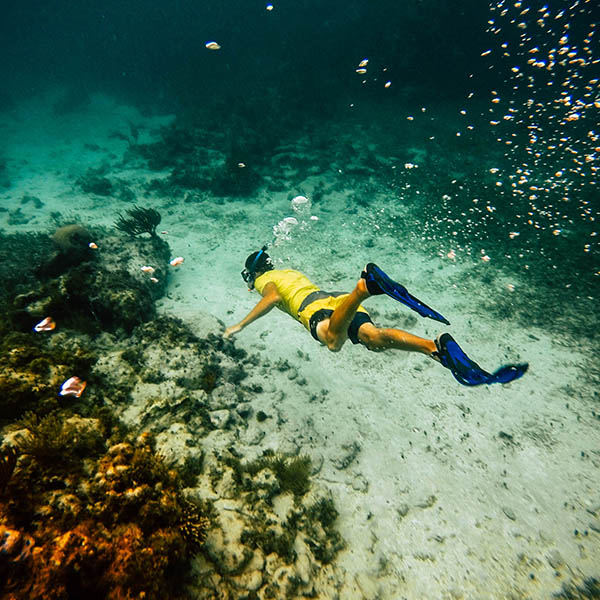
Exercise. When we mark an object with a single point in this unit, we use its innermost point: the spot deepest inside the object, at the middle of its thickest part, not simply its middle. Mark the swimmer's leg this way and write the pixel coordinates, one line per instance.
(333, 332)
(377, 339)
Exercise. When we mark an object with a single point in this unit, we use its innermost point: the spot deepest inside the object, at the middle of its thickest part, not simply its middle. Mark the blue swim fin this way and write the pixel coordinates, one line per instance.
(468, 372)
(379, 283)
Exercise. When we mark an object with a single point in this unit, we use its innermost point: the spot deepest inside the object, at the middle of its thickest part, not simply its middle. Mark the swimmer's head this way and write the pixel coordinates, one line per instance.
(257, 263)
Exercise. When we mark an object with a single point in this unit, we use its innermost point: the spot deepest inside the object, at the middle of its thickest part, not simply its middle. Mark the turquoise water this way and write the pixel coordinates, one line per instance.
(454, 144)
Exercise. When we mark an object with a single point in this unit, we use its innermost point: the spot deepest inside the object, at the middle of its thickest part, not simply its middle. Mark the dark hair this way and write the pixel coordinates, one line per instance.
(258, 264)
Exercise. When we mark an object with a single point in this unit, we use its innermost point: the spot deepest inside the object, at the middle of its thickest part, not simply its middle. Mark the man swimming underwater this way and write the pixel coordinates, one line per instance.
(333, 317)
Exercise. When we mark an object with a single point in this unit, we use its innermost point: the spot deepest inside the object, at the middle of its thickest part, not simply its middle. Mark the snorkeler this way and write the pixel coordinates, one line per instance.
(333, 317)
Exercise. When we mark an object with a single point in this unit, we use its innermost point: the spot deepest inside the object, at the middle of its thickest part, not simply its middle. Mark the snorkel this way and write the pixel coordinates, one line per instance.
(249, 273)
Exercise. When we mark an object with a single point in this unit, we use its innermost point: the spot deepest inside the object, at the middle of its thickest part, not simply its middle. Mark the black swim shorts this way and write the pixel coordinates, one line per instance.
(325, 313)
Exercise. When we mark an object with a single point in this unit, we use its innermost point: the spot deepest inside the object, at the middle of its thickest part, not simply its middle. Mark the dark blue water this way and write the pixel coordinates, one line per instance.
(503, 96)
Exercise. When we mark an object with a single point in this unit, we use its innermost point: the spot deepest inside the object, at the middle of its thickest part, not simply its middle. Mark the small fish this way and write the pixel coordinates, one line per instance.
(363, 63)
(451, 255)
(148, 269)
(485, 258)
(164, 232)
(153, 280)
(93, 245)
(387, 84)
(176, 261)
(212, 46)
(46, 324)
(73, 387)
(269, 7)
(361, 71)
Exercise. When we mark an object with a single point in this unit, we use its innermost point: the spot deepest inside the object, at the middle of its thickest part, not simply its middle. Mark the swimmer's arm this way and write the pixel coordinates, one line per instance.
(270, 298)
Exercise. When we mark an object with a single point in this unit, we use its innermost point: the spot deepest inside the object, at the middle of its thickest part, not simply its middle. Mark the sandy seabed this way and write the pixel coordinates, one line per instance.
(443, 491)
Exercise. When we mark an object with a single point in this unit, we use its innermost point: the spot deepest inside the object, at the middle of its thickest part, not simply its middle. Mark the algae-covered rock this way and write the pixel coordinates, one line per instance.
(96, 288)
(32, 370)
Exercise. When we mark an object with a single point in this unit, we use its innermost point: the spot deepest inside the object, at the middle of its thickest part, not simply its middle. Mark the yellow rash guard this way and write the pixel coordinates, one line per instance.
(294, 287)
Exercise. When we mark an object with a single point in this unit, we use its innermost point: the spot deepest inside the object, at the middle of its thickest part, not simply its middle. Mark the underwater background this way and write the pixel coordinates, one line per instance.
(147, 148)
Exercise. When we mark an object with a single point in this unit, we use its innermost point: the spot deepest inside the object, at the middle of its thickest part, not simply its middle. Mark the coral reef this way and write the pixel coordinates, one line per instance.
(141, 473)
(266, 540)
(141, 220)
(271, 535)
(72, 238)
(102, 511)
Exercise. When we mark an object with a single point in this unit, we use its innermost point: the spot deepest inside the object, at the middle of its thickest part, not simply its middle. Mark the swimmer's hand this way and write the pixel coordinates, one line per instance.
(231, 331)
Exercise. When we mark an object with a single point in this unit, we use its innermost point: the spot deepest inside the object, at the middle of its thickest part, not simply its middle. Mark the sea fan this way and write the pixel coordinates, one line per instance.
(141, 220)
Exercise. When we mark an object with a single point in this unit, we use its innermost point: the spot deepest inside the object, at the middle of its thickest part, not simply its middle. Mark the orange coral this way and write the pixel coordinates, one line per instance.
(101, 530)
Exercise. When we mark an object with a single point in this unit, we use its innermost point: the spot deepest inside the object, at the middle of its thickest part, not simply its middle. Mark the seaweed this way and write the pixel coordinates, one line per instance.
(141, 220)
(270, 541)
(292, 473)
(209, 377)
(194, 524)
(588, 590)
(94, 182)
(323, 511)
(261, 416)
(54, 441)
(326, 551)
(191, 469)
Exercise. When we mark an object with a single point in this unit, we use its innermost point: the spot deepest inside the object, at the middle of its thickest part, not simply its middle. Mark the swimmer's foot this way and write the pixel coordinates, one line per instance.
(379, 283)
(467, 371)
